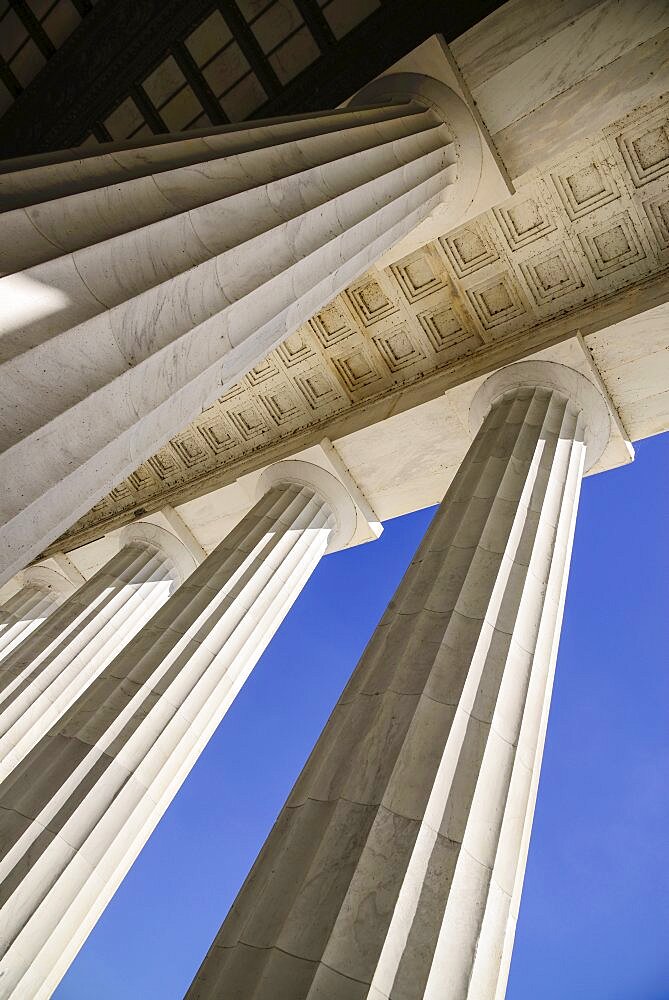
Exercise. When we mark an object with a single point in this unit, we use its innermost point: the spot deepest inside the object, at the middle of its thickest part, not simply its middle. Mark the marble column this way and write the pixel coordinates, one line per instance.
(54, 666)
(78, 809)
(394, 870)
(133, 296)
(40, 592)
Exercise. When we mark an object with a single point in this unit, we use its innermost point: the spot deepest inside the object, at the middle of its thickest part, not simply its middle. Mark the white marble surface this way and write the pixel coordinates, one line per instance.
(39, 591)
(395, 868)
(77, 810)
(633, 357)
(510, 32)
(48, 671)
(595, 38)
(121, 332)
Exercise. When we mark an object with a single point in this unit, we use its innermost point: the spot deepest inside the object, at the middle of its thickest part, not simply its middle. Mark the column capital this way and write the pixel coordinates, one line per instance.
(556, 377)
(47, 579)
(323, 483)
(405, 88)
(153, 536)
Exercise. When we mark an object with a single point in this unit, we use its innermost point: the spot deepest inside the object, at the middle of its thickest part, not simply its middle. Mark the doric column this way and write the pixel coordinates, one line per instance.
(41, 590)
(77, 811)
(394, 869)
(142, 282)
(54, 666)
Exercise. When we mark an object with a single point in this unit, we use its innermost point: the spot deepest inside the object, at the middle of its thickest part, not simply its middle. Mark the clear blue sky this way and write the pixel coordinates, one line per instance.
(594, 922)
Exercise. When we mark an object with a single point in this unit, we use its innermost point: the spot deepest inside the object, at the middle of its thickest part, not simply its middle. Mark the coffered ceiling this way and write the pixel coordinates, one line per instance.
(590, 229)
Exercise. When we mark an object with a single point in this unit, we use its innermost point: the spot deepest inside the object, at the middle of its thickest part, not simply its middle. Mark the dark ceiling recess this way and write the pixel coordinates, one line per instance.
(104, 81)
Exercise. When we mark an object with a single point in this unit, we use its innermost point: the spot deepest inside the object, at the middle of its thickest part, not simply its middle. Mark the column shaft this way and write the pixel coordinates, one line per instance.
(42, 590)
(54, 666)
(21, 615)
(394, 869)
(77, 811)
(142, 263)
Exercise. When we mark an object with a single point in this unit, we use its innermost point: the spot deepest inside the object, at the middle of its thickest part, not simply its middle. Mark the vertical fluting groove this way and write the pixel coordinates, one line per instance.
(47, 182)
(147, 203)
(459, 934)
(21, 615)
(386, 971)
(529, 488)
(322, 203)
(77, 810)
(322, 198)
(56, 665)
(65, 619)
(97, 599)
(497, 978)
(391, 870)
(436, 539)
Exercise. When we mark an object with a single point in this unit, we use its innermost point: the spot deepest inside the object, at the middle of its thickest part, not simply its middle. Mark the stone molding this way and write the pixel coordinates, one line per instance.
(47, 579)
(325, 485)
(451, 109)
(181, 561)
(551, 376)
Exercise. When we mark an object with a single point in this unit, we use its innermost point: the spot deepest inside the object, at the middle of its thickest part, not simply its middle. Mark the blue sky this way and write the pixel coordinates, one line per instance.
(594, 921)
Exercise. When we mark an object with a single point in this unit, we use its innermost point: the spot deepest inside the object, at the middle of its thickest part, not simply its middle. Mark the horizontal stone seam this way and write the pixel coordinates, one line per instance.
(436, 701)
(290, 954)
(377, 806)
(484, 621)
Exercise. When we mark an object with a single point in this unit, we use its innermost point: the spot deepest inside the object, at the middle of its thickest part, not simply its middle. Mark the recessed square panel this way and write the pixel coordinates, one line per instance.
(447, 335)
(281, 404)
(248, 422)
(645, 148)
(551, 276)
(369, 301)
(319, 390)
(398, 349)
(496, 301)
(356, 370)
(612, 246)
(657, 210)
(584, 186)
(121, 492)
(164, 464)
(266, 369)
(217, 433)
(295, 349)
(331, 325)
(417, 276)
(188, 447)
(142, 478)
(525, 221)
(469, 249)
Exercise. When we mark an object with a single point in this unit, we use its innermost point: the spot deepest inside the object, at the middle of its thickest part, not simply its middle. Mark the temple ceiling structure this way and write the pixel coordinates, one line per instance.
(76, 72)
(569, 252)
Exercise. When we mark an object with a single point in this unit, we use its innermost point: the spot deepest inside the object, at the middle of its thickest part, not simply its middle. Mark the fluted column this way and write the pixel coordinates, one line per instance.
(394, 869)
(41, 591)
(134, 296)
(54, 666)
(77, 811)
